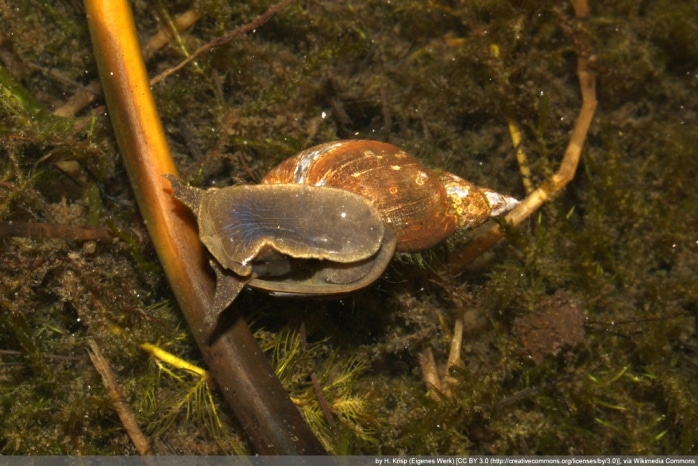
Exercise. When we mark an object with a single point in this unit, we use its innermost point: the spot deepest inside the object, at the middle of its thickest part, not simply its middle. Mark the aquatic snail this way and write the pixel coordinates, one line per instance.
(288, 239)
(328, 220)
(422, 206)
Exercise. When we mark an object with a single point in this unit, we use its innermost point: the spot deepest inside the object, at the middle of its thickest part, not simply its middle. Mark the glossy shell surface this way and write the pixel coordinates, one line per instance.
(469, 206)
(424, 207)
(409, 197)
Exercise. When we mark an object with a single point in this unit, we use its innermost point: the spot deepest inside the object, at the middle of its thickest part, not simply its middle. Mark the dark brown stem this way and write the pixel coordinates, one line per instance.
(241, 370)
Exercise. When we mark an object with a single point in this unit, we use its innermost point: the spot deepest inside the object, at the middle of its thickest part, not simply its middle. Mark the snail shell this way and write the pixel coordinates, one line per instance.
(471, 205)
(422, 207)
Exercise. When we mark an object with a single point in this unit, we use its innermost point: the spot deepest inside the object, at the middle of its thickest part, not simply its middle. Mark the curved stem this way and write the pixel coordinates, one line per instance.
(244, 375)
(587, 84)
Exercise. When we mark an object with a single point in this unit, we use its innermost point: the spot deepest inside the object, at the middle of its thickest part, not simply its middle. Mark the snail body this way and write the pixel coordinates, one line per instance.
(423, 207)
(243, 224)
(328, 220)
(290, 239)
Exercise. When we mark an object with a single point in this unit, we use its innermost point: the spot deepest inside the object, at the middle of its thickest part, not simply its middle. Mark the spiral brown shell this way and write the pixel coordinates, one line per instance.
(422, 206)
(409, 197)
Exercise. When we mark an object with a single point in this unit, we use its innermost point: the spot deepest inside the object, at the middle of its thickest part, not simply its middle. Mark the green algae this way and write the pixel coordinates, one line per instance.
(620, 240)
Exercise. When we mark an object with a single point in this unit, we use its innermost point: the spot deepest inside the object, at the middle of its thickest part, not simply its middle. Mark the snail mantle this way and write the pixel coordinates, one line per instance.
(288, 239)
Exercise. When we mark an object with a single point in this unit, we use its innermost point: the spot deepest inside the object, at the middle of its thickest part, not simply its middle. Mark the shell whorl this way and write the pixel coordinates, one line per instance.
(422, 206)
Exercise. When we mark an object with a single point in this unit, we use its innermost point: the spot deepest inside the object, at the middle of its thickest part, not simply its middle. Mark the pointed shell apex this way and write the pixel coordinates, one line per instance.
(499, 203)
(472, 205)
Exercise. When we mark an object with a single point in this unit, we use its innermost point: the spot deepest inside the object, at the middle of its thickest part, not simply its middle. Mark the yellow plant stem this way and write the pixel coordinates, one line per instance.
(241, 370)
(515, 133)
(521, 157)
(173, 360)
(568, 167)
